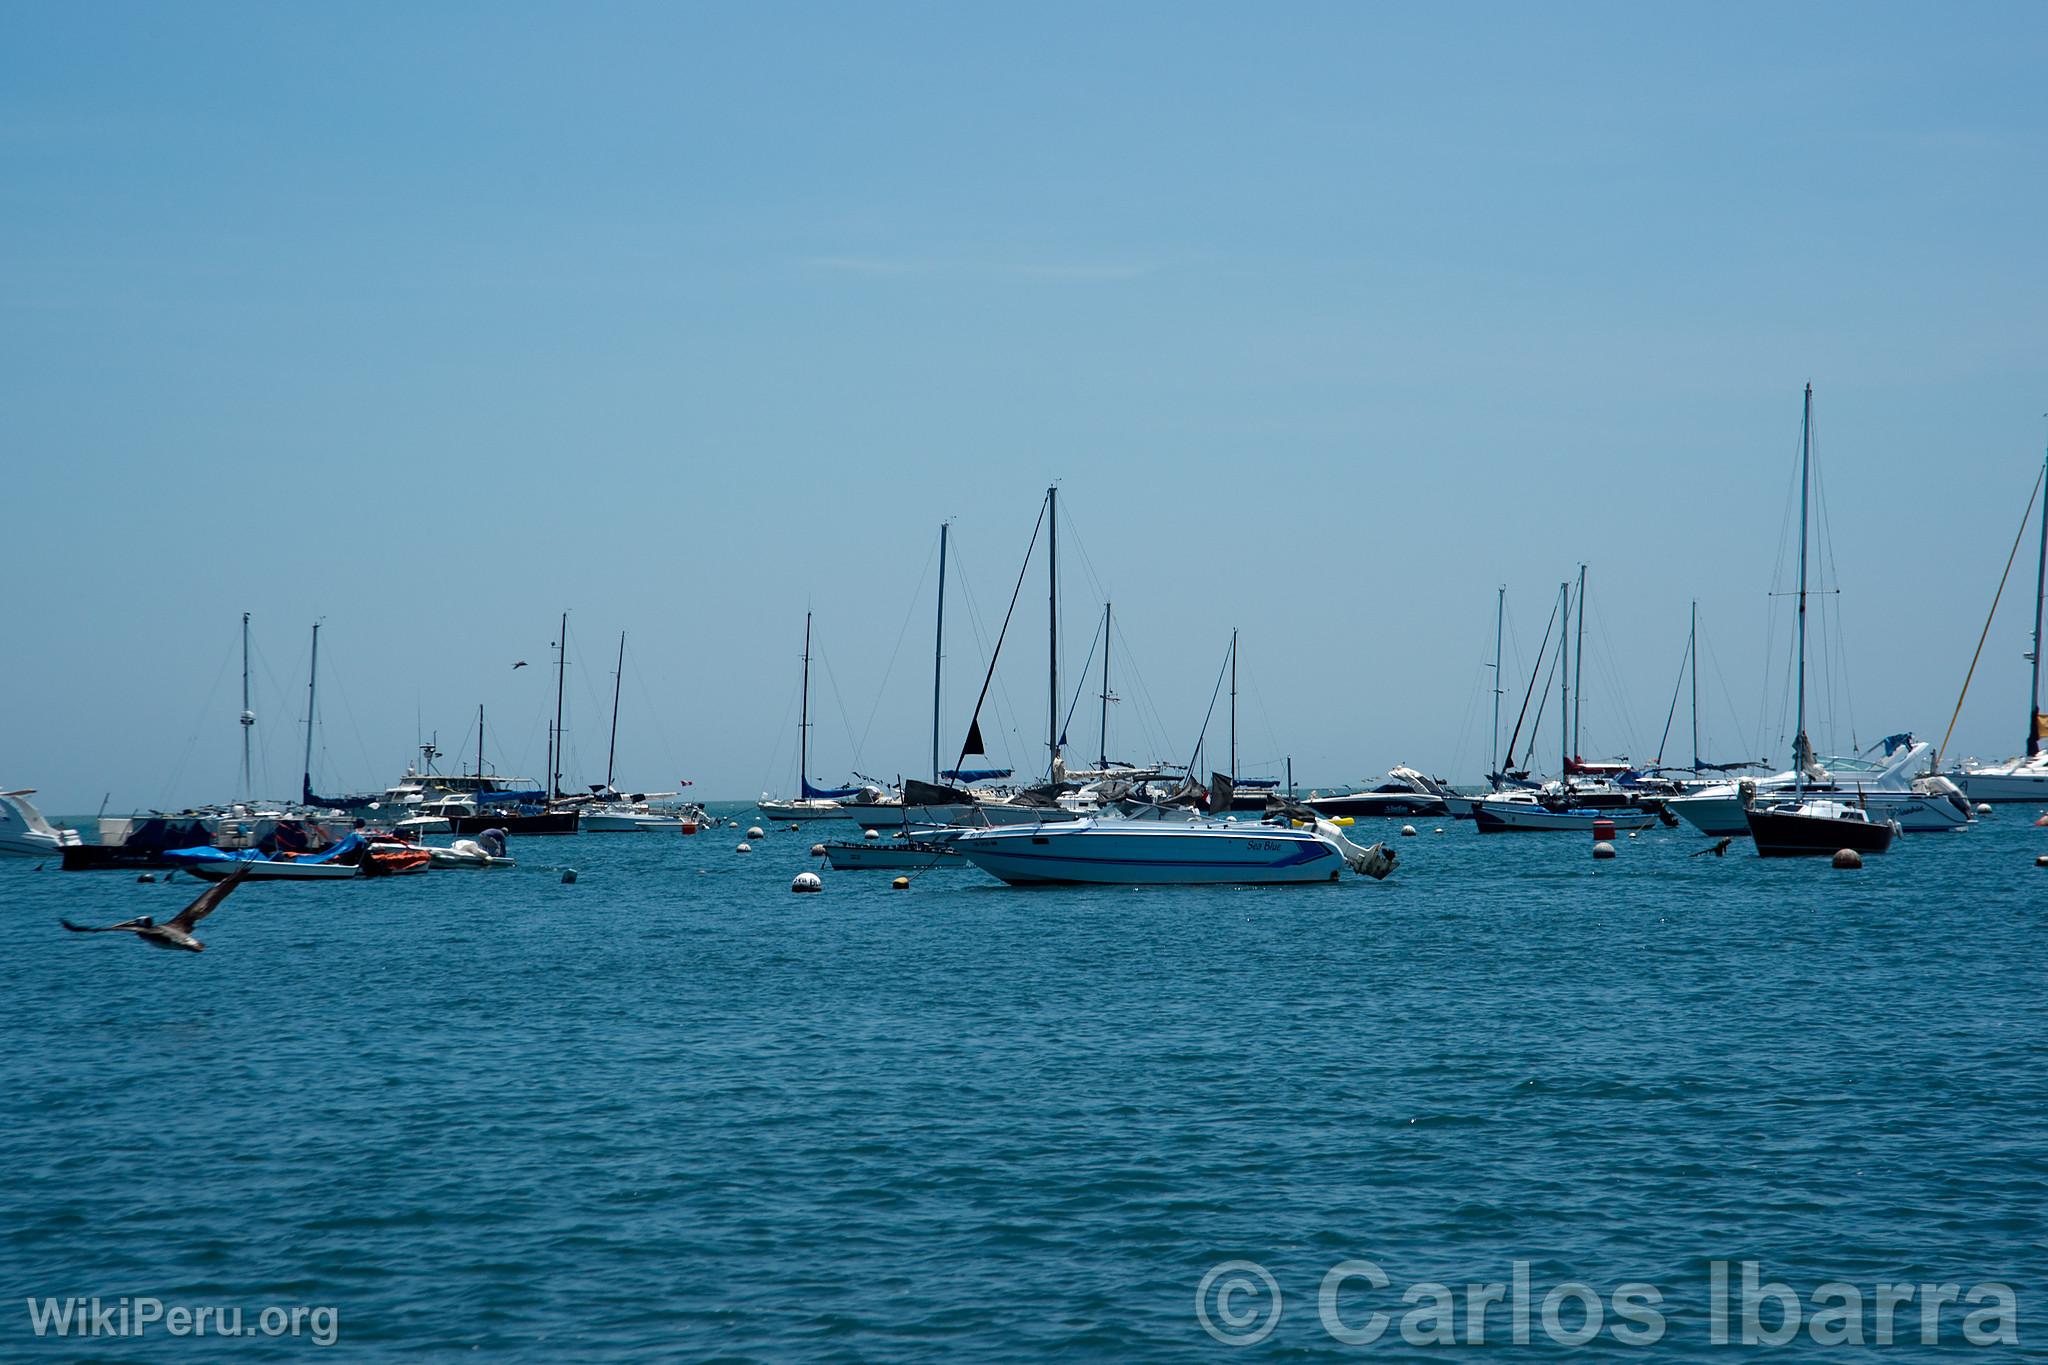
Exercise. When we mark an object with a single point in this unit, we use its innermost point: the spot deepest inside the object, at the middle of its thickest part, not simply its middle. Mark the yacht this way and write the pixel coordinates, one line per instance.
(24, 831)
(1169, 852)
(1895, 786)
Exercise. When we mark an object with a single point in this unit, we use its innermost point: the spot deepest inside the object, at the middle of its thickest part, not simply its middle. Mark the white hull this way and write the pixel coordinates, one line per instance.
(1528, 815)
(824, 810)
(24, 831)
(599, 822)
(2018, 782)
(1152, 853)
(1719, 812)
(224, 868)
(448, 857)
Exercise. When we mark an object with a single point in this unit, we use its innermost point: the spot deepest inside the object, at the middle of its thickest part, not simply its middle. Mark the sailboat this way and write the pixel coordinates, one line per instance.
(525, 811)
(611, 811)
(2024, 778)
(813, 802)
(360, 802)
(1808, 823)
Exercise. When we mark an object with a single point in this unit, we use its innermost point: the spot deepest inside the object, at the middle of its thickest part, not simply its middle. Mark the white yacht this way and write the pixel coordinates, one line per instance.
(1169, 852)
(23, 829)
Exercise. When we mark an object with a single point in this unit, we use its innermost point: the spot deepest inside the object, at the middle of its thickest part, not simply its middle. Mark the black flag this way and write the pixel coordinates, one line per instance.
(974, 744)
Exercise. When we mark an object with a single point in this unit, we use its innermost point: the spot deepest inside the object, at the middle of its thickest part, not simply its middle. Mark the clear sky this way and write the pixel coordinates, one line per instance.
(435, 320)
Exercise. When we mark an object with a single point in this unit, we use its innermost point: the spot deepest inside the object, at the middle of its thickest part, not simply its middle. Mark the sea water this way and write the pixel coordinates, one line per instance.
(672, 1110)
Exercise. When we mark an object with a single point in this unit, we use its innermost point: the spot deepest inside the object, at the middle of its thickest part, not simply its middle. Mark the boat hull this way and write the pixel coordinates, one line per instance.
(1515, 817)
(1151, 853)
(547, 822)
(1784, 834)
(2029, 784)
(1722, 814)
(889, 855)
(1367, 805)
(222, 869)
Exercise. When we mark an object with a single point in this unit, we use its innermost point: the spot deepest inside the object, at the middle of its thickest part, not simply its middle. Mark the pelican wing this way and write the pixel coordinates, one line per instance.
(209, 900)
(125, 926)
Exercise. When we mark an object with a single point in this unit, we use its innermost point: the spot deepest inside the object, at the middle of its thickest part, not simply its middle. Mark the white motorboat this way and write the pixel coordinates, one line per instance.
(2017, 779)
(23, 829)
(634, 817)
(481, 852)
(1169, 852)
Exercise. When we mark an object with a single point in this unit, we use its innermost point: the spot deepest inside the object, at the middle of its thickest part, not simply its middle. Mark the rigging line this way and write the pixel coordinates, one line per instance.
(199, 724)
(2025, 518)
(785, 747)
(1157, 737)
(1085, 682)
(1217, 692)
(1536, 731)
(840, 702)
(1021, 571)
(1005, 729)
(1541, 650)
(652, 708)
(1676, 688)
(916, 601)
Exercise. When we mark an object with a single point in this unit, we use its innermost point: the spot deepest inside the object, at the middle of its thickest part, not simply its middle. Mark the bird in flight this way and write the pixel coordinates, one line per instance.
(521, 664)
(1719, 850)
(177, 933)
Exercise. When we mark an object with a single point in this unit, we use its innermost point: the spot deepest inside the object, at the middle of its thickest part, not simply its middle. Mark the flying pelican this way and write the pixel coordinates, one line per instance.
(177, 933)
(521, 664)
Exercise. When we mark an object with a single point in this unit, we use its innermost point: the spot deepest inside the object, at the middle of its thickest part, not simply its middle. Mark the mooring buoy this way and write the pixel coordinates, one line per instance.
(568, 876)
(817, 850)
(1848, 859)
(872, 834)
(1407, 831)
(1603, 849)
(744, 847)
(901, 884)
(807, 881)
(757, 833)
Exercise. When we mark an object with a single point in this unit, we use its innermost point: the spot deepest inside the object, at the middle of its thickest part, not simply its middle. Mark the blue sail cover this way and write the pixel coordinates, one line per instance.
(812, 793)
(254, 855)
(976, 774)
(532, 798)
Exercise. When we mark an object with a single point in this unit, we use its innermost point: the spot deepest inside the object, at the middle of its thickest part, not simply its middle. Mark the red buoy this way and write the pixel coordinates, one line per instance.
(1603, 830)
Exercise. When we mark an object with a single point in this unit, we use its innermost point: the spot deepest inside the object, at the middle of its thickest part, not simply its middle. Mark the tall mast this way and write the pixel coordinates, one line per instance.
(2040, 582)
(1692, 648)
(1500, 611)
(1564, 686)
(1052, 559)
(803, 721)
(1233, 703)
(1579, 668)
(939, 651)
(1102, 759)
(479, 746)
(1800, 745)
(312, 678)
(248, 716)
(561, 672)
(612, 753)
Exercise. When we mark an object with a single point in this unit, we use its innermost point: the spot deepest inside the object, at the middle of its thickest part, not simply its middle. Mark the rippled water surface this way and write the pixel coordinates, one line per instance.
(674, 1110)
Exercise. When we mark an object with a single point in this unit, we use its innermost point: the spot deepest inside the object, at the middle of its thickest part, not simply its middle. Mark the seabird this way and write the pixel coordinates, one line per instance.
(177, 933)
(521, 664)
(1718, 849)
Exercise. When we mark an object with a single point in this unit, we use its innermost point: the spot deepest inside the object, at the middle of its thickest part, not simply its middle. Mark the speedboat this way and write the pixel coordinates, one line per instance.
(1817, 825)
(1169, 852)
(911, 849)
(1404, 792)
(485, 851)
(23, 829)
(636, 817)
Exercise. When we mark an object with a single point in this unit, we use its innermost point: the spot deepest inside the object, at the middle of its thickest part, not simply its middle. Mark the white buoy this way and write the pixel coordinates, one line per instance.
(817, 850)
(901, 884)
(1438, 830)
(872, 834)
(1983, 808)
(1603, 849)
(1848, 859)
(757, 833)
(744, 847)
(807, 881)
(792, 827)
(2041, 861)
(1407, 831)
(1632, 834)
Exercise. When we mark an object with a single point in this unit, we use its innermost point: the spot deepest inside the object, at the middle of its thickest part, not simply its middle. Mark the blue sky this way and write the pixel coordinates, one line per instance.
(434, 320)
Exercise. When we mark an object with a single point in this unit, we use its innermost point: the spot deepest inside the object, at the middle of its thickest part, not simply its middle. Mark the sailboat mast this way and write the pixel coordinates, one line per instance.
(1102, 758)
(1692, 648)
(561, 672)
(479, 746)
(803, 721)
(1564, 686)
(1579, 668)
(1052, 559)
(1500, 611)
(939, 651)
(611, 753)
(312, 679)
(1799, 741)
(248, 716)
(1233, 704)
(2040, 583)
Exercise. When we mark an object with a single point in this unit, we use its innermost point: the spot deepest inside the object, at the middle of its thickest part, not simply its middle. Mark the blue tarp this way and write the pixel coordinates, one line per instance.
(826, 793)
(252, 855)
